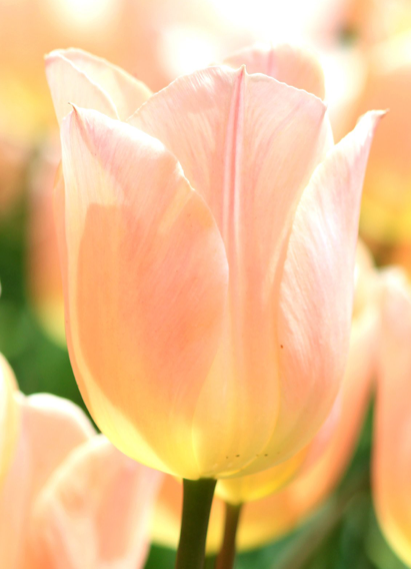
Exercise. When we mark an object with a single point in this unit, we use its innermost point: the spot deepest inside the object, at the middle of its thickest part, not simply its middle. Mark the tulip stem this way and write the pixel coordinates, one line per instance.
(226, 557)
(198, 497)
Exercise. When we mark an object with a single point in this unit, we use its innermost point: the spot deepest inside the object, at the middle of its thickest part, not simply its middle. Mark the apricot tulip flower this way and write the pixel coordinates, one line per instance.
(392, 440)
(69, 496)
(268, 518)
(220, 224)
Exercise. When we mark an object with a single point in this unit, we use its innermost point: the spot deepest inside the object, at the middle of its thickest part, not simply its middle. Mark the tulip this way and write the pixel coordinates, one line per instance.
(392, 444)
(170, 346)
(271, 517)
(64, 488)
(94, 511)
(50, 428)
(9, 416)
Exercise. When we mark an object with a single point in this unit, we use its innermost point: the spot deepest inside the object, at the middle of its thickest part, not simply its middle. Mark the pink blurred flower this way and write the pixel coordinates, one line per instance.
(392, 440)
(69, 497)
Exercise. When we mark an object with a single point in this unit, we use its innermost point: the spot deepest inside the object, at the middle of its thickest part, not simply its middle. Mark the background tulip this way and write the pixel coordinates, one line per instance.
(291, 64)
(94, 511)
(229, 114)
(50, 428)
(392, 447)
(64, 484)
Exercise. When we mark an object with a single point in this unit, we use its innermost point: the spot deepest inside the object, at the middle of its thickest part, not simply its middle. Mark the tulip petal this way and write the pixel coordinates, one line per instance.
(242, 489)
(296, 66)
(316, 296)
(94, 511)
(248, 144)
(69, 85)
(9, 416)
(276, 515)
(392, 441)
(126, 93)
(50, 429)
(150, 330)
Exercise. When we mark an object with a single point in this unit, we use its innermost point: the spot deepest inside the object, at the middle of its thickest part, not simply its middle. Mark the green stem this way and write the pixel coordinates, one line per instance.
(226, 557)
(198, 497)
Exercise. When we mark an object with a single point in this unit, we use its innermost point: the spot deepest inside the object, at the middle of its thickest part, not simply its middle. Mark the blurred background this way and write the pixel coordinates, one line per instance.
(365, 47)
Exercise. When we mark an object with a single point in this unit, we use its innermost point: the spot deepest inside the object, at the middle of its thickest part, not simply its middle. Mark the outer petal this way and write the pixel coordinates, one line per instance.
(392, 444)
(68, 84)
(278, 514)
(248, 144)
(50, 429)
(316, 296)
(94, 511)
(145, 321)
(9, 417)
(242, 489)
(256, 486)
(290, 64)
(125, 92)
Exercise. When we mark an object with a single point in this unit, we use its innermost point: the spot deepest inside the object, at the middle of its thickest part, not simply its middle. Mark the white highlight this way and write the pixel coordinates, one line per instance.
(85, 13)
(185, 49)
